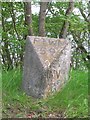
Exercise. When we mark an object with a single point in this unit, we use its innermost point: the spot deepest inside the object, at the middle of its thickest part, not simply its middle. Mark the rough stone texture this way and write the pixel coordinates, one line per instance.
(46, 65)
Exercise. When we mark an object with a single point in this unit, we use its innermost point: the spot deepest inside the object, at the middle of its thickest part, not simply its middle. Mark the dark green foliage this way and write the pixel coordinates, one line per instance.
(14, 31)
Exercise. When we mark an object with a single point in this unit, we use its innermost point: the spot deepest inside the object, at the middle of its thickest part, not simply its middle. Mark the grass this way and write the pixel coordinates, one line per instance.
(71, 101)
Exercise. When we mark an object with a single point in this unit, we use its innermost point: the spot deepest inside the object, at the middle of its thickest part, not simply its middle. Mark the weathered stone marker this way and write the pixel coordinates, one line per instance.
(46, 65)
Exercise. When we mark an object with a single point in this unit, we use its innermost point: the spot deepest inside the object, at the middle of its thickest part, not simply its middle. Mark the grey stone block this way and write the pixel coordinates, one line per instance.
(46, 65)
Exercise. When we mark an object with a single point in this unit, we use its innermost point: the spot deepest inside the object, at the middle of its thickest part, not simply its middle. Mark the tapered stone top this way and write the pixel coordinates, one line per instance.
(46, 65)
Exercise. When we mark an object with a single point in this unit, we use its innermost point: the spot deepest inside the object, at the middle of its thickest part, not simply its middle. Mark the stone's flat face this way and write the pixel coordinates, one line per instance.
(47, 48)
(46, 65)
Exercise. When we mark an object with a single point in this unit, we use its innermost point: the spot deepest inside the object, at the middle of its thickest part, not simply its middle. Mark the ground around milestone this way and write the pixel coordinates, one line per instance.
(71, 101)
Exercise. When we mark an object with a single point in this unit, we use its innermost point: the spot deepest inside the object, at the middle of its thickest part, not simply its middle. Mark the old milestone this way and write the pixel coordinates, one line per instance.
(46, 65)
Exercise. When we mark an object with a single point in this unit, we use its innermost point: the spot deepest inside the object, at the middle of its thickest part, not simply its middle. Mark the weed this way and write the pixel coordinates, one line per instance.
(71, 101)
